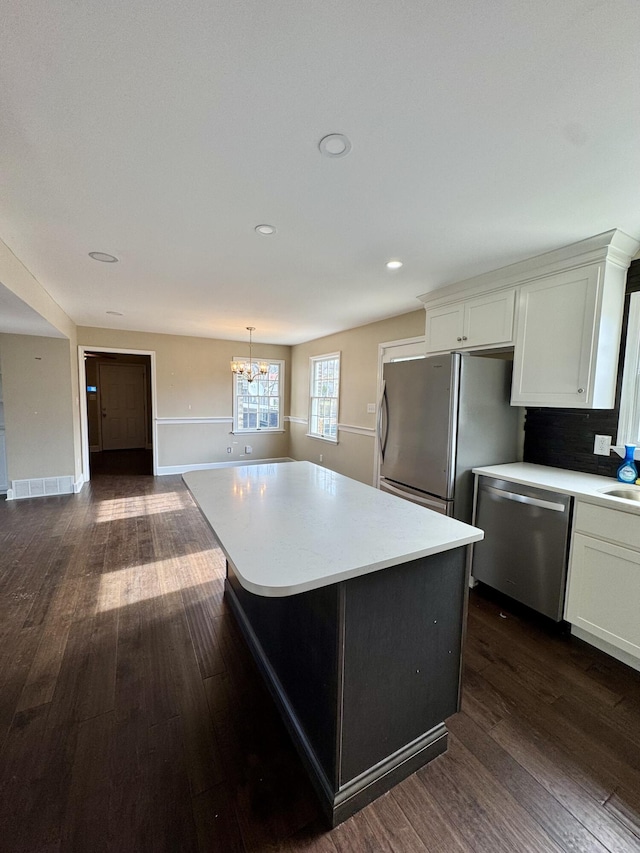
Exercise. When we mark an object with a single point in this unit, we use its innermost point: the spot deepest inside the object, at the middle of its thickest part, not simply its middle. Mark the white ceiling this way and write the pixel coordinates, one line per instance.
(483, 132)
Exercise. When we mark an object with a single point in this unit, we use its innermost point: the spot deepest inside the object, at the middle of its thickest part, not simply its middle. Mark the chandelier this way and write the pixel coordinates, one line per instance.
(245, 368)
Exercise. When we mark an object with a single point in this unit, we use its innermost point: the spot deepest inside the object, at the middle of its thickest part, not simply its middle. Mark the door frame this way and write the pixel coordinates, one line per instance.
(84, 421)
(405, 346)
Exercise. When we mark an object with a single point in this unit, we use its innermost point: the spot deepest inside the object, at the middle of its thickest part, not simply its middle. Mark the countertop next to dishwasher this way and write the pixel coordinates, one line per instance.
(586, 487)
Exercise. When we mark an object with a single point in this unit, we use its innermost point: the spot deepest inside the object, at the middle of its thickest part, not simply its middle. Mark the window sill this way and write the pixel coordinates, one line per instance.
(322, 438)
(619, 449)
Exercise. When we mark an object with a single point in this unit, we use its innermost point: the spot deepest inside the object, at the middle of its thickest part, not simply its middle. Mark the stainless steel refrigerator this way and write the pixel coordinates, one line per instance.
(439, 417)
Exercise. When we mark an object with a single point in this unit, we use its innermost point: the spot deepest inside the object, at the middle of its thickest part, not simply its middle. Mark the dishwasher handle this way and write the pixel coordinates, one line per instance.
(524, 499)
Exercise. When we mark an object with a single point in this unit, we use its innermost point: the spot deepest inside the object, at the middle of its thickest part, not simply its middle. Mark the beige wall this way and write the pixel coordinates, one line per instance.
(354, 454)
(60, 394)
(193, 380)
(38, 395)
(196, 444)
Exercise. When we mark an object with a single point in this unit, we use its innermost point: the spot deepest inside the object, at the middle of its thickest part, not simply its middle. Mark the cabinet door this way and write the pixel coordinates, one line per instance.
(489, 319)
(484, 321)
(444, 327)
(556, 340)
(604, 591)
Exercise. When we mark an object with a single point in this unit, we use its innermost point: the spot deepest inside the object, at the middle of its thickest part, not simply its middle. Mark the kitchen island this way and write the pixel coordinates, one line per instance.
(352, 602)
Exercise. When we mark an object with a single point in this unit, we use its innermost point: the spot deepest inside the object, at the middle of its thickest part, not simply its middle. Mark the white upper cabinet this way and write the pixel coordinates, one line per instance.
(473, 323)
(568, 320)
(443, 330)
(568, 334)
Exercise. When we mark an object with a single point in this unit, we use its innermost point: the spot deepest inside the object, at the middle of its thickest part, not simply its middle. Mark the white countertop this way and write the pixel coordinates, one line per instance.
(288, 527)
(587, 487)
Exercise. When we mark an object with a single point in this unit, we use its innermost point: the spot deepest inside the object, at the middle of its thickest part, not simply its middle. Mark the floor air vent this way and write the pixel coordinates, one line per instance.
(40, 487)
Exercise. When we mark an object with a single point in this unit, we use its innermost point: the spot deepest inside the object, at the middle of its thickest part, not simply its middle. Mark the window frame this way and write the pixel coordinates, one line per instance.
(314, 360)
(237, 428)
(629, 412)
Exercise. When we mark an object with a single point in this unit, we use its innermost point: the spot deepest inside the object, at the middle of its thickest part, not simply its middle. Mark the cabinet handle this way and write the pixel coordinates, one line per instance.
(580, 390)
(458, 339)
(464, 337)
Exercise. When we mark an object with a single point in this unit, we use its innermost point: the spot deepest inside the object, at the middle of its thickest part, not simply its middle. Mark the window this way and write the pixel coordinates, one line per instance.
(257, 405)
(629, 418)
(324, 372)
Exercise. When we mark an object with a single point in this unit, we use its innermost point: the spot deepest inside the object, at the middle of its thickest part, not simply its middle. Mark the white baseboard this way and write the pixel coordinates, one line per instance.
(41, 487)
(207, 466)
(79, 483)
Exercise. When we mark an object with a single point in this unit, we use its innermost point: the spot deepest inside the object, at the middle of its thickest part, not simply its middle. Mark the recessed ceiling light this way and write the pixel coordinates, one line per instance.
(104, 257)
(116, 313)
(265, 229)
(334, 145)
(394, 265)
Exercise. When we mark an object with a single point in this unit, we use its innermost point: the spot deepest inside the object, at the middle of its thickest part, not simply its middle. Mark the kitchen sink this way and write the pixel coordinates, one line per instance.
(632, 493)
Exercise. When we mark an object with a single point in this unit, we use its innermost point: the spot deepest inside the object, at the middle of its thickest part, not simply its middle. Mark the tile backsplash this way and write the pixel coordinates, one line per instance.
(563, 438)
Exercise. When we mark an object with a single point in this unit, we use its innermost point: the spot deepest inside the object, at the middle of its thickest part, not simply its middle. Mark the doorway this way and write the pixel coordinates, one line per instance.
(117, 424)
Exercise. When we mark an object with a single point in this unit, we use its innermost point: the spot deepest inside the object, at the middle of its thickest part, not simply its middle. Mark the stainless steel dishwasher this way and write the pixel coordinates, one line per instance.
(526, 543)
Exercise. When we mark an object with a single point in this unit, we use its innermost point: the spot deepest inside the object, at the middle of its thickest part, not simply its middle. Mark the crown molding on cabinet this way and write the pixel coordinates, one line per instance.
(613, 246)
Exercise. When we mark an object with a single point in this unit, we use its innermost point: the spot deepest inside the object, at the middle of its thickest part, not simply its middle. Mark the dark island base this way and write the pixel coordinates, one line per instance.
(364, 672)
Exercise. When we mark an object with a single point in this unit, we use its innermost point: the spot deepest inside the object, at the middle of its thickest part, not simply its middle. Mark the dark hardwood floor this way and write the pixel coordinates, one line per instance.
(132, 717)
(118, 462)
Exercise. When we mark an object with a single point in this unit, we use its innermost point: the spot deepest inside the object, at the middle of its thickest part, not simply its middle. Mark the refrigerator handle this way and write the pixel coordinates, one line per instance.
(383, 419)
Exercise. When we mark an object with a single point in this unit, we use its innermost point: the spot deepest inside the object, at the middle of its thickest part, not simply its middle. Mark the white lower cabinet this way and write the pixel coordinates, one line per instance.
(603, 592)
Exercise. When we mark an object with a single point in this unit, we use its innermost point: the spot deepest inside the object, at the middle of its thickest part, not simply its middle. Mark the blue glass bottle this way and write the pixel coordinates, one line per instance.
(627, 472)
